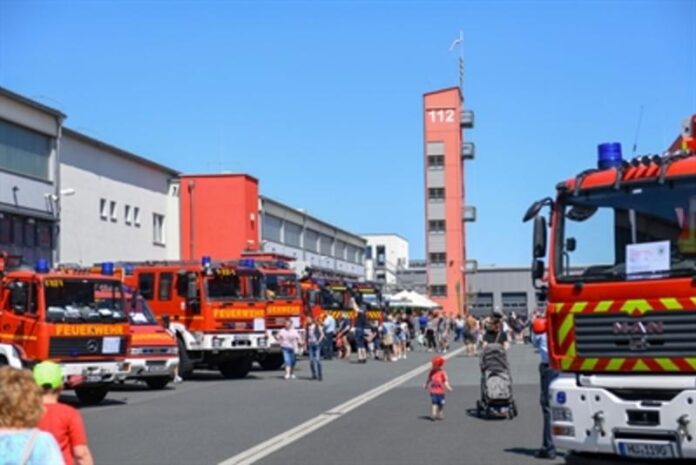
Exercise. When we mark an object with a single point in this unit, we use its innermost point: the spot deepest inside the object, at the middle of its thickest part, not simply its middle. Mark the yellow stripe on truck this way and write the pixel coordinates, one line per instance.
(671, 304)
(588, 364)
(615, 364)
(565, 328)
(603, 306)
(641, 305)
(667, 364)
(578, 307)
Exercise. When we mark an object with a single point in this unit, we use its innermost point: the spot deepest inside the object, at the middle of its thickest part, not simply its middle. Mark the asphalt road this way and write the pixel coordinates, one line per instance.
(209, 419)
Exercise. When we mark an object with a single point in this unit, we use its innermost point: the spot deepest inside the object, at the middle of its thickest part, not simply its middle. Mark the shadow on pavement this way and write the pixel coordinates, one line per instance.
(75, 402)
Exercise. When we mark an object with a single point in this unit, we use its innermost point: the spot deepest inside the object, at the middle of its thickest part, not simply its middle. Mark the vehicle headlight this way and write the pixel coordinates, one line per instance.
(136, 351)
(172, 350)
(561, 414)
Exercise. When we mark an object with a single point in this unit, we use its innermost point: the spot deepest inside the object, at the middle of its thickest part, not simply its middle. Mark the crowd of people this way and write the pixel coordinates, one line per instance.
(35, 429)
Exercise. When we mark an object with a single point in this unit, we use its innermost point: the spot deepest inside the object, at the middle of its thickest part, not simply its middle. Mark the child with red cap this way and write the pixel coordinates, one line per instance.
(437, 383)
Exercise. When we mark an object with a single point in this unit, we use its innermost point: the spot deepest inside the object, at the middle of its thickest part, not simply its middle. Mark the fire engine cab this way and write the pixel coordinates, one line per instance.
(73, 317)
(621, 312)
(215, 310)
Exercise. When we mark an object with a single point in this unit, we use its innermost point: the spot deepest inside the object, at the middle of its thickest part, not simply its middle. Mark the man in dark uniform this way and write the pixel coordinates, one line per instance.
(546, 374)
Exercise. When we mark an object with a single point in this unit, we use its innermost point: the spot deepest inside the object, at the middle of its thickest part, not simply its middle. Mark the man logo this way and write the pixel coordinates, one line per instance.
(638, 332)
(92, 346)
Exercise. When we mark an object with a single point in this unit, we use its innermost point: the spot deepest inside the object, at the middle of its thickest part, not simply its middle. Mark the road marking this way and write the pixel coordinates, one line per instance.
(268, 447)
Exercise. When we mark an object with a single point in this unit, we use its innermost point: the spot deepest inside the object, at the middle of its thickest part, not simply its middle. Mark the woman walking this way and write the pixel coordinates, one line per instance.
(315, 337)
(290, 341)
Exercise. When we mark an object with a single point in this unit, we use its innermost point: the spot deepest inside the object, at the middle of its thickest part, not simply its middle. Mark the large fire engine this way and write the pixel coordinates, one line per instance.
(73, 317)
(621, 288)
(215, 310)
(322, 296)
(282, 298)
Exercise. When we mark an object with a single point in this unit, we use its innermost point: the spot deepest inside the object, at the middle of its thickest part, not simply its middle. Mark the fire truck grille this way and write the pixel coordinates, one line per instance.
(656, 334)
(80, 346)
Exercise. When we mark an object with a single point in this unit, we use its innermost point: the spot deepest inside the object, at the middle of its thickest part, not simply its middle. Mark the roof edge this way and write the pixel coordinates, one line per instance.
(32, 103)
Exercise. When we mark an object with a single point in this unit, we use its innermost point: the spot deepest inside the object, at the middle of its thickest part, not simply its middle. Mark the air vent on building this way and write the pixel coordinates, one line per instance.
(467, 119)
(468, 150)
(469, 214)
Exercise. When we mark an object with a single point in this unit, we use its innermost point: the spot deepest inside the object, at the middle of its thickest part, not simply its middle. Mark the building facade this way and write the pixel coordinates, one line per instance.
(30, 136)
(445, 205)
(316, 245)
(414, 278)
(385, 255)
(115, 205)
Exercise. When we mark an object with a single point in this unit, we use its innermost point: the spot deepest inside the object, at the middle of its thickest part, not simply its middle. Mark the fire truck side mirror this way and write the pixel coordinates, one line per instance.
(539, 244)
(537, 270)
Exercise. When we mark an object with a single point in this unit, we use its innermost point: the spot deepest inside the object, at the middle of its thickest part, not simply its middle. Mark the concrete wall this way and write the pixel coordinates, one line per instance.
(94, 172)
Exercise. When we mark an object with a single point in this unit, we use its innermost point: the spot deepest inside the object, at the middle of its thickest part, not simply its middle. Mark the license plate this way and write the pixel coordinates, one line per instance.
(156, 368)
(92, 378)
(651, 450)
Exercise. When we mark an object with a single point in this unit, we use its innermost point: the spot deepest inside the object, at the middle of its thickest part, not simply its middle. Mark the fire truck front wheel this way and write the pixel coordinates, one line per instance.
(185, 363)
(91, 395)
(234, 369)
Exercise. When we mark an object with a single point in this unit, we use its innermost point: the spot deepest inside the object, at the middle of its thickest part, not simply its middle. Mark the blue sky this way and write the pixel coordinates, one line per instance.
(322, 101)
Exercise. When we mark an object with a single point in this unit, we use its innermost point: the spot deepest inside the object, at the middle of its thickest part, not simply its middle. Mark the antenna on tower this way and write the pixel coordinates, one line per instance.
(635, 139)
(460, 42)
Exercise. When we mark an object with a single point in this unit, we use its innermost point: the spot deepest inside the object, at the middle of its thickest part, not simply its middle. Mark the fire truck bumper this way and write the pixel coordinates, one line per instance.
(242, 341)
(142, 368)
(93, 372)
(652, 417)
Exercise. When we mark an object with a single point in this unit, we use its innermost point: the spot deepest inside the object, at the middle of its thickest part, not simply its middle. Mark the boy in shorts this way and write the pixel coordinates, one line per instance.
(437, 383)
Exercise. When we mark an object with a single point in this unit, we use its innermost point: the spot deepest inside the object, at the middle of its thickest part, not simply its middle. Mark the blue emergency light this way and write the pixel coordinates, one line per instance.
(247, 263)
(609, 155)
(206, 261)
(41, 265)
(107, 268)
(128, 269)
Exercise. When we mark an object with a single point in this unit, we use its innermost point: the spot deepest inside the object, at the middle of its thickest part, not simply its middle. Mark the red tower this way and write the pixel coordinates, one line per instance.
(445, 206)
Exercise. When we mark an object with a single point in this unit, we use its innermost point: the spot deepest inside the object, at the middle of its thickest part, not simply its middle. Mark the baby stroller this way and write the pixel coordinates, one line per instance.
(496, 385)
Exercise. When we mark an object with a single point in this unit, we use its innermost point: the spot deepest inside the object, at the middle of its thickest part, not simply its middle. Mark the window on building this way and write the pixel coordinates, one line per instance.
(311, 239)
(436, 194)
(24, 151)
(436, 162)
(158, 228)
(438, 291)
(127, 214)
(164, 291)
(360, 258)
(112, 211)
(146, 285)
(30, 232)
(381, 277)
(325, 244)
(5, 229)
(368, 252)
(293, 234)
(103, 209)
(436, 226)
(437, 258)
(43, 234)
(381, 255)
(136, 216)
(271, 228)
(350, 253)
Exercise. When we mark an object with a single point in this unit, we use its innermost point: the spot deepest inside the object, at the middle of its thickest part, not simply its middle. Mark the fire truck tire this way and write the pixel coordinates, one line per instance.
(91, 395)
(158, 383)
(272, 362)
(185, 363)
(235, 369)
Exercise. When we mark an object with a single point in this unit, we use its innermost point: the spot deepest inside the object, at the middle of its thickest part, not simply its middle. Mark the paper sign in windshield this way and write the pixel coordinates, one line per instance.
(111, 345)
(649, 257)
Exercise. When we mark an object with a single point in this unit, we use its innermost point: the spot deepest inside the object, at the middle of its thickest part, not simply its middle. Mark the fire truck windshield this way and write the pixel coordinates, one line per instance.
(234, 286)
(372, 301)
(281, 286)
(647, 232)
(83, 301)
(332, 298)
(139, 313)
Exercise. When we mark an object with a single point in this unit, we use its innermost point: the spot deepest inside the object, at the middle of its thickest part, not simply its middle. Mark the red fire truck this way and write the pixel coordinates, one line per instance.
(622, 303)
(216, 311)
(334, 296)
(282, 298)
(73, 317)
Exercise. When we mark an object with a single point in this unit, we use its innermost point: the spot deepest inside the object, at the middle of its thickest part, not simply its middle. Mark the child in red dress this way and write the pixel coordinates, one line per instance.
(437, 383)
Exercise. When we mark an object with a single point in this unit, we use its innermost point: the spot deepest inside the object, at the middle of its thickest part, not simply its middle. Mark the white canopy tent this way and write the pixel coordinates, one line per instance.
(411, 299)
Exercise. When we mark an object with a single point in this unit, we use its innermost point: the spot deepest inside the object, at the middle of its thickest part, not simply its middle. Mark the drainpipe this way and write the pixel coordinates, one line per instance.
(192, 229)
(56, 184)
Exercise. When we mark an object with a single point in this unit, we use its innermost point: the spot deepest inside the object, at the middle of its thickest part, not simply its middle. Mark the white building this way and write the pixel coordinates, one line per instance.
(316, 245)
(386, 254)
(29, 181)
(115, 205)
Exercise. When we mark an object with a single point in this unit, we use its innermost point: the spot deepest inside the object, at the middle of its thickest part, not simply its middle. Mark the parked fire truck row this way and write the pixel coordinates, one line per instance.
(621, 312)
(149, 321)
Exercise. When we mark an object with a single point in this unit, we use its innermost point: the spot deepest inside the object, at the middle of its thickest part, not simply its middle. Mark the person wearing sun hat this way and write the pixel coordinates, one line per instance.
(62, 421)
(437, 383)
